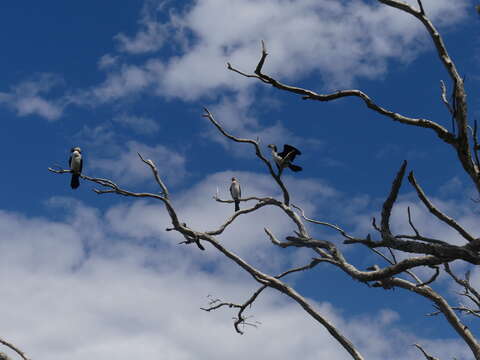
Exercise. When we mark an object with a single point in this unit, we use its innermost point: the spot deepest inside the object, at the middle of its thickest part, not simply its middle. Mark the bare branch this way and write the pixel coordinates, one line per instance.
(411, 223)
(60, 170)
(311, 95)
(335, 227)
(260, 204)
(309, 266)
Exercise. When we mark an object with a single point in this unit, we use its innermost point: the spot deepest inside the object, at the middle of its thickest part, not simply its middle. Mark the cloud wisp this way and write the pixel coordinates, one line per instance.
(28, 97)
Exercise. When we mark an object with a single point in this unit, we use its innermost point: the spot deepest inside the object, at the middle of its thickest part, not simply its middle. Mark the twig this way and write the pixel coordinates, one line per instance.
(392, 197)
(154, 169)
(335, 227)
(428, 357)
(432, 279)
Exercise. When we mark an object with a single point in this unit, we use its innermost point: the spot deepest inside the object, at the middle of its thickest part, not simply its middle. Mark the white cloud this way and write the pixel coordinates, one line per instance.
(68, 297)
(107, 61)
(27, 98)
(130, 79)
(341, 41)
(127, 168)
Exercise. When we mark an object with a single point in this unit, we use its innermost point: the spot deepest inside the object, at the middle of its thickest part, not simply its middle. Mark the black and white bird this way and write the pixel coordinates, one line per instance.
(76, 164)
(236, 193)
(285, 158)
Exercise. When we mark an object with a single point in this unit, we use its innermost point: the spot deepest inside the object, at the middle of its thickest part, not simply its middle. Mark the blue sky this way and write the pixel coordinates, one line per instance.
(98, 276)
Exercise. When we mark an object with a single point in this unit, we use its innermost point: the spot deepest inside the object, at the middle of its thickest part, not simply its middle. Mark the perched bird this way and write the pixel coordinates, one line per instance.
(76, 163)
(285, 158)
(236, 193)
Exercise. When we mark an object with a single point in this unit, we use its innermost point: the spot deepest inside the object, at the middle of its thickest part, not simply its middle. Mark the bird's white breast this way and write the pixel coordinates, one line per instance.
(76, 161)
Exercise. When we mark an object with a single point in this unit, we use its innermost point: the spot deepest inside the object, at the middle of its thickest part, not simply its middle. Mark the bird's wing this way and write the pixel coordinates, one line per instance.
(70, 162)
(291, 151)
(81, 165)
(235, 191)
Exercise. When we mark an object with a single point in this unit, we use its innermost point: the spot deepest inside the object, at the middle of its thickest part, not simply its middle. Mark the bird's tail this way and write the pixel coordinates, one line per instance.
(295, 168)
(75, 183)
(237, 205)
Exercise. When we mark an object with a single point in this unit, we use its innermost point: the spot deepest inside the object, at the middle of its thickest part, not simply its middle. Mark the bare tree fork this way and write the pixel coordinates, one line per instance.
(437, 213)
(258, 152)
(427, 356)
(14, 348)
(257, 275)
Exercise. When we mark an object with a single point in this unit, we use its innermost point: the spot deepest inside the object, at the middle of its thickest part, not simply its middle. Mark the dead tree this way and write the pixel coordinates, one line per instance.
(419, 250)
